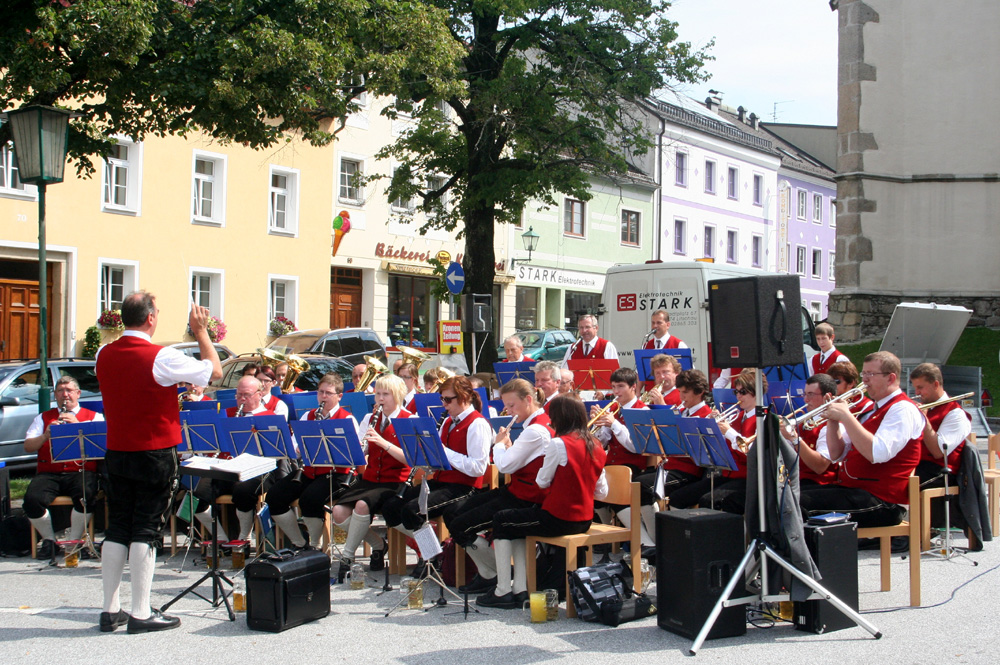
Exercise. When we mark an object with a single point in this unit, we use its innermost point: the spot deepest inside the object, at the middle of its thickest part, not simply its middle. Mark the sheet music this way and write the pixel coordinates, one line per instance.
(427, 541)
(246, 465)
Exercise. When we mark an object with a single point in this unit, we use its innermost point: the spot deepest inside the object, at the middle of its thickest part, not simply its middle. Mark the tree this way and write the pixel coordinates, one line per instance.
(251, 71)
(553, 93)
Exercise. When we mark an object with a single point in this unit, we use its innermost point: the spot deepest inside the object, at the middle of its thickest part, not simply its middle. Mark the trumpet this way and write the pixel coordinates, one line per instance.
(946, 400)
(612, 408)
(815, 419)
(646, 396)
(727, 416)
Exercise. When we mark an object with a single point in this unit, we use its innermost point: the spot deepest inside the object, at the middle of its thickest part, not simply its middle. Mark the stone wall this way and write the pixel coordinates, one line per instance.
(858, 317)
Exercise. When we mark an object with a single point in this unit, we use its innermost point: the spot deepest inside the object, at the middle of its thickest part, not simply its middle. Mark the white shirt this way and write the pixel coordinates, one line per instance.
(280, 408)
(732, 435)
(610, 352)
(901, 423)
(689, 413)
(821, 445)
(529, 446)
(724, 378)
(478, 440)
(954, 429)
(171, 366)
(366, 422)
(37, 428)
(666, 338)
(619, 430)
(555, 456)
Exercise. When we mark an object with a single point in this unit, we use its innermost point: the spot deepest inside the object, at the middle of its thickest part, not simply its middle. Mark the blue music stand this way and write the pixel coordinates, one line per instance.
(705, 443)
(299, 403)
(655, 432)
(204, 405)
(198, 434)
(600, 404)
(356, 404)
(94, 405)
(787, 399)
(331, 442)
(421, 444)
(777, 373)
(78, 442)
(497, 404)
(507, 372)
(503, 421)
(484, 401)
(438, 413)
(424, 401)
(225, 393)
(370, 400)
(643, 356)
(723, 398)
(264, 436)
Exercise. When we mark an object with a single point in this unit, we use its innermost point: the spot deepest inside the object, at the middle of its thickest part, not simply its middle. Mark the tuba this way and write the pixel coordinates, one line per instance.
(296, 365)
(373, 368)
(413, 356)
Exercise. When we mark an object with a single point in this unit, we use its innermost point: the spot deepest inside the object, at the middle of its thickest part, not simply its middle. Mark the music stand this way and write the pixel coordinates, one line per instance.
(356, 404)
(507, 372)
(593, 374)
(204, 405)
(723, 398)
(643, 356)
(484, 401)
(788, 398)
(263, 436)
(422, 402)
(438, 414)
(80, 442)
(298, 403)
(504, 421)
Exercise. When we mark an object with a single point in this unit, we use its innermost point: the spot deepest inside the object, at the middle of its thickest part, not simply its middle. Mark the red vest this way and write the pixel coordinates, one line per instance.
(745, 427)
(141, 414)
(231, 412)
(596, 350)
(619, 454)
(522, 482)
(864, 407)
(383, 467)
(313, 471)
(672, 398)
(821, 368)
(887, 480)
(809, 437)
(272, 403)
(525, 358)
(571, 495)
(672, 343)
(936, 416)
(45, 463)
(683, 462)
(455, 438)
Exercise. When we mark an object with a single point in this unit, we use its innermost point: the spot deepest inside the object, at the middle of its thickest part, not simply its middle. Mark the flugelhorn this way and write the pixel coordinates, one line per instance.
(946, 400)
(645, 397)
(612, 408)
(727, 416)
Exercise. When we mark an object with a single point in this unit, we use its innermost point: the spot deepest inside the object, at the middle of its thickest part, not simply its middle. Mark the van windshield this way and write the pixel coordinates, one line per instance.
(293, 343)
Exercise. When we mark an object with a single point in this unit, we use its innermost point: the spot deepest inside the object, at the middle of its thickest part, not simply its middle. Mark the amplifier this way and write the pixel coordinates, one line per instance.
(834, 548)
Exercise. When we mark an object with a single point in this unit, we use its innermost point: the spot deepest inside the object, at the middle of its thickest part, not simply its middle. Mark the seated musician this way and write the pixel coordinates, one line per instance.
(513, 349)
(664, 391)
(52, 479)
(547, 378)
(434, 377)
(268, 379)
(385, 471)
(680, 470)
(617, 439)
(356, 374)
(250, 369)
(479, 383)
(815, 467)
(466, 436)
(280, 372)
(314, 486)
(245, 493)
(573, 472)
(193, 393)
(845, 376)
(566, 384)
(409, 374)
(877, 456)
(946, 429)
(522, 459)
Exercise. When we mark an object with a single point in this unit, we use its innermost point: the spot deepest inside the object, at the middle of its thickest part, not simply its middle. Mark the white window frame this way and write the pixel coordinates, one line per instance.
(732, 246)
(816, 310)
(758, 189)
(680, 237)
(291, 284)
(291, 194)
(359, 190)
(399, 206)
(816, 267)
(130, 279)
(569, 201)
(681, 169)
(817, 208)
(833, 213)
(133, 179)
(800, 260)
(757, 250)
(733, 183)
(218, 179)
(831, 274)
(638, 228)
(217, 289)
(9, 171)
(708, 244)
(801, 204)
(429, 185)
(710, 176)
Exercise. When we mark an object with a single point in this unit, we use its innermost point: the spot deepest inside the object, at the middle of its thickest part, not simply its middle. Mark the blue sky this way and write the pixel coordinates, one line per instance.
(767, 51)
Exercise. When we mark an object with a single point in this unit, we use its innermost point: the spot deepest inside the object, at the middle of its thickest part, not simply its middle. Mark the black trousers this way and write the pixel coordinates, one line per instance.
(931, 474)
(864, 508)
(524, 522)
(139, 490)
(244, 492)
(675, 480)
(373, 494)
(699, 492)
(45, 487)
(312, 493)
(475, 513)
(444, 498)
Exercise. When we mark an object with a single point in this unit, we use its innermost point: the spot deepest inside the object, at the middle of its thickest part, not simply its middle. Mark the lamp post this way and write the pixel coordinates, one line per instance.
(41, 134)
(530, 240)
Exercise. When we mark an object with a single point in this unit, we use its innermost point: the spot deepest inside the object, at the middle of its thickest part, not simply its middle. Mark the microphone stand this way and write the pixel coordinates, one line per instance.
(944, 550)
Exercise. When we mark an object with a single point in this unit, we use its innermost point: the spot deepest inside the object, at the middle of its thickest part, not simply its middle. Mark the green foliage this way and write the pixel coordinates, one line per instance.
(91, 342)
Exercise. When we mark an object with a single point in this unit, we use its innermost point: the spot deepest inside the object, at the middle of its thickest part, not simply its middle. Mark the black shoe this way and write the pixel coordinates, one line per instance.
(156, 621)
(85, 554)
(111, 621)
(48, 550)
(419, 569)
(899, 544)
(508, 601)
(479, 585)
(649, 553)
(345, 566)
(378, 557)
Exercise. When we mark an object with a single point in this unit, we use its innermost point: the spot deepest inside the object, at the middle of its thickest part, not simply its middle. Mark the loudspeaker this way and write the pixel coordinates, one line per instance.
(477, 313)
(834, 548)
(697, 552)
(755, 321)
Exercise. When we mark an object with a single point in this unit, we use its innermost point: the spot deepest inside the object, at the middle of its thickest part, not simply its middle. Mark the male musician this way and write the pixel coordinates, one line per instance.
(815, 467)
(877, 456)
(946, 429)
(280, 372)
(356, 374)
(396, 365)
(138, 382)
(54, 479)
(513, 348)
(565, 381)
(845, 376)
(617, 439)
(828, 354)
(268, 379)
(194, 393)
(662, 339)
(665, 370)
(547, 378)
(589, 346)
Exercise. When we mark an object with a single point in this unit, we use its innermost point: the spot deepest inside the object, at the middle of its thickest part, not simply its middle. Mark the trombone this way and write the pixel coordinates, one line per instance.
(946, 400)
(612, 408)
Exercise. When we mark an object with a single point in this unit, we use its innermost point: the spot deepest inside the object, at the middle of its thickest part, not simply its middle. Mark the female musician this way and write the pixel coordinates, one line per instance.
(434, 377)
(314, 486)
(845, 376)
(466, 436)
(409, 374)
(522, 459)
(386, 469)
(268, 379)
(573, 472)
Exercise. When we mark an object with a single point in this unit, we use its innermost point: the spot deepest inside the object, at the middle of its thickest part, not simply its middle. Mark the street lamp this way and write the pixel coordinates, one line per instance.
(41, 134)
(530, 239)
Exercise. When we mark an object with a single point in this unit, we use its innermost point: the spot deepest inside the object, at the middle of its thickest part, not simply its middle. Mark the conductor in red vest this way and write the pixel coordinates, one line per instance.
(138, 383)
(877, 456)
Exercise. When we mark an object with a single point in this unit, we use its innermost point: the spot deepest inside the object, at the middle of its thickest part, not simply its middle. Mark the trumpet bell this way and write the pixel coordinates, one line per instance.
(373, 368)
(270, 357)
(413, 356)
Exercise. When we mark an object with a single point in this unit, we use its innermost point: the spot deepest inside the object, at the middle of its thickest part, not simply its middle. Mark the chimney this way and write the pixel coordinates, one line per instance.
(740, 112)
(714, 100)
(754, 120)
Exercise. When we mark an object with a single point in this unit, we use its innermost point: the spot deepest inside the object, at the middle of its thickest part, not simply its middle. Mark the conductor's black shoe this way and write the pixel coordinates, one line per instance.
(508, 601)
(111, 620)
(479, 584)
(378, 557)
(156, 621)
(48, 550)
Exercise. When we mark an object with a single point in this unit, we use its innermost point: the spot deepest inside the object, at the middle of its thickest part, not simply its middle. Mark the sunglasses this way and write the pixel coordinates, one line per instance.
(448, 399)
(742, 392)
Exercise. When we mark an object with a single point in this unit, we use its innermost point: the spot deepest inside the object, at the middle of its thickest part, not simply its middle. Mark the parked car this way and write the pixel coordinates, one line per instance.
(319, 365)
(19, 386)
(351, 344)
(543, 344)
(191, 349)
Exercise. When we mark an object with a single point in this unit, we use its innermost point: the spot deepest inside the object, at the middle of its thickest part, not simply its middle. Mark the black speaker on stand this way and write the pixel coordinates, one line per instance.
(755, 321)
(697, 552)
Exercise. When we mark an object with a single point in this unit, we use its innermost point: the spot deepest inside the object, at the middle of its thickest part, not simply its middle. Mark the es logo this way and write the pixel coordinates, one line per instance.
(626, 302)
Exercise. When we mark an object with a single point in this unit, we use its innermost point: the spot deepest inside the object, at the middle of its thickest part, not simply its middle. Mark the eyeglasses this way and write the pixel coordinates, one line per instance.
(329, 393)
(868, 375)
(448, 399)
(246, 395)
(742, 392)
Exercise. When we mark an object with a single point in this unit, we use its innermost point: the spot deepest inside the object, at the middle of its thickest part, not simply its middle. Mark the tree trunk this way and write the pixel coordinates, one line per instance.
(480, 269)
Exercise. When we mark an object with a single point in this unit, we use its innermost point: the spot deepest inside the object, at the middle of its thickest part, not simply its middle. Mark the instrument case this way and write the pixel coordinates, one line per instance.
(287, 589)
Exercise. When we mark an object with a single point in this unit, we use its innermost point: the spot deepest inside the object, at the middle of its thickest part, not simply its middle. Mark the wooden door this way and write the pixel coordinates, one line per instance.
(345, 298)
(19, 315)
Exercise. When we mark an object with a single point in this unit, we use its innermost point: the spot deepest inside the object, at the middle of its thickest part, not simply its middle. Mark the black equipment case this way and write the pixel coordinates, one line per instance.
(287, 589)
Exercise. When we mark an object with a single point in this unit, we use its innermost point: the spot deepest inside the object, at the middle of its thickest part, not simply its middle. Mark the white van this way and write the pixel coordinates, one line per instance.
(633, 292)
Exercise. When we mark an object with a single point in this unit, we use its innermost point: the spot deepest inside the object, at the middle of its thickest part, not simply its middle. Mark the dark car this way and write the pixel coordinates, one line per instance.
(319, 365)
(543, 344)
(351, 344)
(193, 350)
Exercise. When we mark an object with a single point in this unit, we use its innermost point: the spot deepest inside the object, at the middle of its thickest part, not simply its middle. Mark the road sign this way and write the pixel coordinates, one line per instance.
(455, 277)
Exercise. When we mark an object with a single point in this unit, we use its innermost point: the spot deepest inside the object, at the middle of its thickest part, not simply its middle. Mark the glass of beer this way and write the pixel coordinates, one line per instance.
(357, 576)
(414, 591)
(239, 557)
(551, 604)
(72, 557)
(239, 596)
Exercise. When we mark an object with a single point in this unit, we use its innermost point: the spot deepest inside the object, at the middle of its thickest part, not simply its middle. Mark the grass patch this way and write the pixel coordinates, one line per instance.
(977, 347)
(18, 486)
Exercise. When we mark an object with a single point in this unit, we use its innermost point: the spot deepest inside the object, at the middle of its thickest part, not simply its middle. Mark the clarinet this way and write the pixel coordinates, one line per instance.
(239, 412)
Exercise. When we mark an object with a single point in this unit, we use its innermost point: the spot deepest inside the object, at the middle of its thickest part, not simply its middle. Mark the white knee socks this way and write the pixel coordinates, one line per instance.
(142, 563)
(519, 552)
(625, 517)
(77, 524)
(246, 523)
(315, 526)
(113, 557)
(205, 518)
(289, 524)
(503, 550)
(482, 554)
(43, 525)
(356, 532)
(649, 524)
